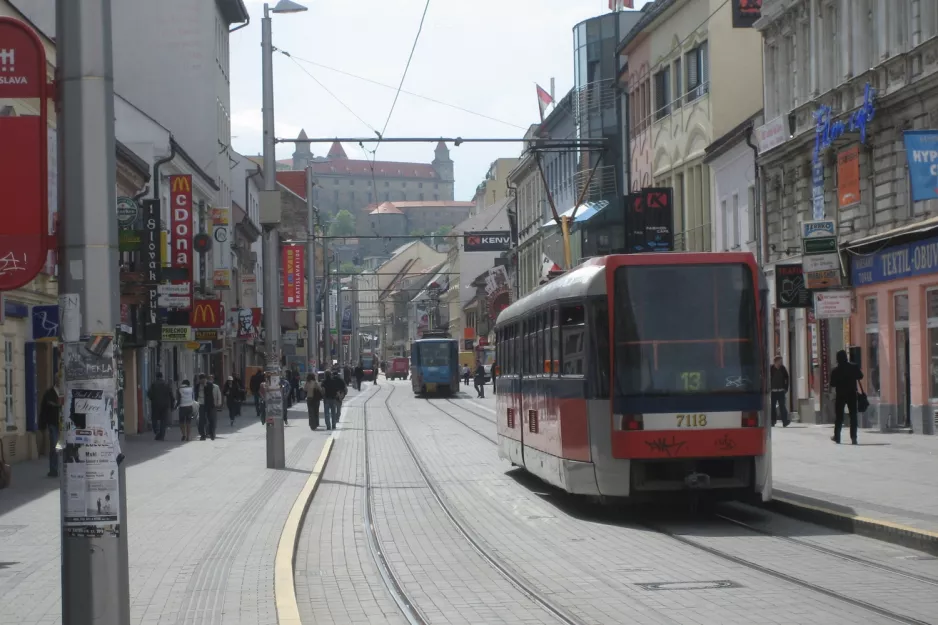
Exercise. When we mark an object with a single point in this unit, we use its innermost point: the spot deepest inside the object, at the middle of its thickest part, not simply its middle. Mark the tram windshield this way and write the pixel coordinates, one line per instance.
(434, 354)
(686, 329)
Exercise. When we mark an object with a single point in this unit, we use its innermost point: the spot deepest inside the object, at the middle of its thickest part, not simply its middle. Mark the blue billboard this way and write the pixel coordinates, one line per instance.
(921, 152)
(895, 263)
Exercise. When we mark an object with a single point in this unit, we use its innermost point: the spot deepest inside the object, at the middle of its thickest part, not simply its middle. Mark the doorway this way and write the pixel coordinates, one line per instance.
(902, 353)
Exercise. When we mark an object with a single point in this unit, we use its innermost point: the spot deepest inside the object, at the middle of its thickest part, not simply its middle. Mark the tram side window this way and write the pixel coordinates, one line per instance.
(532, 347)
(555, 340)
(599, 331)
(573, 333)
(540, 344)
(548, 356)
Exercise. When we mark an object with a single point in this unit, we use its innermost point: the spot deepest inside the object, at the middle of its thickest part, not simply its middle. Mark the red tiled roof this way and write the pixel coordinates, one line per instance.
(293, 180)
(383, 169)
(387, 208)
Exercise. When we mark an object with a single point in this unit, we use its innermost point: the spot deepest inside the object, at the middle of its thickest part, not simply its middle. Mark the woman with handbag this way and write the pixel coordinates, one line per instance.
(313, 392)
(844, 380)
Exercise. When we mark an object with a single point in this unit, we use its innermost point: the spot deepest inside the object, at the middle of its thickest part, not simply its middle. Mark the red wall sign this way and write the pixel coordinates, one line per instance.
(24, 229)
(207, 313)
(293, 288)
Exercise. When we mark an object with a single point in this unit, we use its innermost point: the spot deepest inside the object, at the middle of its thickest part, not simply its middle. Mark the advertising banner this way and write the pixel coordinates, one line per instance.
(221, 233)
(293, 276)
(207, 313)
(495, 241)
(180, 206)
(906, 260)
(790, 289)
(24, 159)
(833, 304)
(921, 152)
(848, 176)
(649, 220)
(151, 254)
(248, 290)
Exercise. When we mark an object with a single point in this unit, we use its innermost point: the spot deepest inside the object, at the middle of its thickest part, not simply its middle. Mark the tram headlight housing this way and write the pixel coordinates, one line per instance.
(630, 422)
(750, 420)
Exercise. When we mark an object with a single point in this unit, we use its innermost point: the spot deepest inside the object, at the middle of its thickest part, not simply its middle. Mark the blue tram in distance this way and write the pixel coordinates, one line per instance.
(434, 366)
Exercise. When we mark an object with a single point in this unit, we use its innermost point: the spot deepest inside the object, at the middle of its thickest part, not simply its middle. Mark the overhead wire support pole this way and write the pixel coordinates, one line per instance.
(568, 143)
(94, 555)
(311, 334)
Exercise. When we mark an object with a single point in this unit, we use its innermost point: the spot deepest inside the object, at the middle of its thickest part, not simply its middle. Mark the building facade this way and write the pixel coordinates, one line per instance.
(845, 82)
(687, 71)
(495, 186)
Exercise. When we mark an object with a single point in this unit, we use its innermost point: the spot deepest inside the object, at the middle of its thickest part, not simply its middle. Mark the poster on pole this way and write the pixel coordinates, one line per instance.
(294, 295)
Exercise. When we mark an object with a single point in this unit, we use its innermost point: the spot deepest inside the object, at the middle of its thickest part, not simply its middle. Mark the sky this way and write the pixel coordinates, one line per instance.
(482, 55)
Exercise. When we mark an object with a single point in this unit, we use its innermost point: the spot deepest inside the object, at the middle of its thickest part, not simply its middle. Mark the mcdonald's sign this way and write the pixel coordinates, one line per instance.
(181, 220)
(207, 313)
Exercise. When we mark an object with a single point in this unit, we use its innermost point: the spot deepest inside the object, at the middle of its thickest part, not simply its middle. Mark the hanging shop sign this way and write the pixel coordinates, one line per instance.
(496, 241)
(821, 263)
(848, 177)
(921, 152)
(833, 304)
(790, 288)
(221, 233)
(181, 224)
(127, 212)
(176, 334)
(152, 252)
(207, 313)
(293, 278)
(772, 134)
(249, 290)
(24, 157)
(896, 262)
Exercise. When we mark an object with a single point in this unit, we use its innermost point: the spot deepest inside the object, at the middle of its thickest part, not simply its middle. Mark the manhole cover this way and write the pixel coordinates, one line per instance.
(713, 585)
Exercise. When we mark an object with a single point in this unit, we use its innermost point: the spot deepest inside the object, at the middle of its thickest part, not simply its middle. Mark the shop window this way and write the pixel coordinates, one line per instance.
(871, 348)
(902, 308)
(8, 383)
(931, 298)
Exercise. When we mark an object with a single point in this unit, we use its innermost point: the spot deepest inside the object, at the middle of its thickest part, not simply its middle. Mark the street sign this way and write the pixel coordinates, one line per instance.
(174, 301)
(24, 158)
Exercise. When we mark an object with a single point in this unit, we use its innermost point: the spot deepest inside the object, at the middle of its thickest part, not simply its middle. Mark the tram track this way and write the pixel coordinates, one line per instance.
(739, 561)
(408, 607)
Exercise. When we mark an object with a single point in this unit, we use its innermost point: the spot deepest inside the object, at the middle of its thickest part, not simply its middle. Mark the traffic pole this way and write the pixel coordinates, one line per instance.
(95, 578)
(312, 337)
(273, 400)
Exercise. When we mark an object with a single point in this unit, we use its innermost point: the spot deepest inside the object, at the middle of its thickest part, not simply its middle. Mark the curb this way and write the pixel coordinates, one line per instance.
(814, 511)
(288, 612)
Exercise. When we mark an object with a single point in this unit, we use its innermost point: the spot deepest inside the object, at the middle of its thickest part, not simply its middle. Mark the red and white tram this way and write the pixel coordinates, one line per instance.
(639, 375)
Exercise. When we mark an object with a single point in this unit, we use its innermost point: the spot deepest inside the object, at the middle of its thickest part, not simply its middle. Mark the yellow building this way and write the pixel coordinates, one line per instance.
(691, 78)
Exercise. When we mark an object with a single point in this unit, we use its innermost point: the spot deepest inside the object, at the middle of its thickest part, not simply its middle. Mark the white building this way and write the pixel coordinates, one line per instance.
(246, 183)
(868, 69)
(732, 162)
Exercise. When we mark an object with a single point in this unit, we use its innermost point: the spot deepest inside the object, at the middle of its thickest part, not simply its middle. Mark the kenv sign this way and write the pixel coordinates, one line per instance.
(498, 241)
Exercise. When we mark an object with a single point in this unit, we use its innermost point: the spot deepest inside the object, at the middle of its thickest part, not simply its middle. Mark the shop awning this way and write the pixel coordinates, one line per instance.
(918, 227)
(584, 212)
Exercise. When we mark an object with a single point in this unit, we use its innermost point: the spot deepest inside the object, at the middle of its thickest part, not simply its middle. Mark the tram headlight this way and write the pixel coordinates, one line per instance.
(630, 422)
(750, 420)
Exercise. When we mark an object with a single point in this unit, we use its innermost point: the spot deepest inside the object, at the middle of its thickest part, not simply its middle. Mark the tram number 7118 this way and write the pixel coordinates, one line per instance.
(691, 420)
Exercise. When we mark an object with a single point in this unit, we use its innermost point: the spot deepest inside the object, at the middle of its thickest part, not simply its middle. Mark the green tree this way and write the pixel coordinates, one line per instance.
(418, 233)
(348, 268)
(343, 225)
(442, 231)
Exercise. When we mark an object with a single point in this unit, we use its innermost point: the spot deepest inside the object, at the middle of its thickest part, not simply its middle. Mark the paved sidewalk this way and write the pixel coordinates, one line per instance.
(887, 478)
(204, 519)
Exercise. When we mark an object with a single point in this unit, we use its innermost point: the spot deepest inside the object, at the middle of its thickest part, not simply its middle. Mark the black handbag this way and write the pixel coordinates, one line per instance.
(863, 402)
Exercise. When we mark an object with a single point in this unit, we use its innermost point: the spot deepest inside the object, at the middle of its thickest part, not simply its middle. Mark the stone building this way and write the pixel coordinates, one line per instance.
(844, 83)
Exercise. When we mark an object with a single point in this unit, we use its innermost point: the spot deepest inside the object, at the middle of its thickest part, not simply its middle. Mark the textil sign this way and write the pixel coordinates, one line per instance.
(896, 262)
(921, 152)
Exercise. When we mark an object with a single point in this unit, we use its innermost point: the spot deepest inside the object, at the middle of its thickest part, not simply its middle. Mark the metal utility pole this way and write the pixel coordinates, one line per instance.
(95, 578)
(327, 306)
(312, 337)
(271, 248)
(340, 320)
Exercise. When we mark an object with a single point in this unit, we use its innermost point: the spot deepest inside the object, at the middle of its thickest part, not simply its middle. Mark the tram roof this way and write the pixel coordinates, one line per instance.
(578, 282)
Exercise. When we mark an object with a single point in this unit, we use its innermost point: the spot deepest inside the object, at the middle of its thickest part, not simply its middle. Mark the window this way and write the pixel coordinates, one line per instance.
(698, 74)
(726, 225)
(677, 80)
(872, 346)
(735, 238)
(752, 217)
(555, 340)
(386, 184)
(931, 306)
(436, 196)
(8, 382)
(572, 333)
(662, 93)
(421, 197)
(599, 333)
(335, 181)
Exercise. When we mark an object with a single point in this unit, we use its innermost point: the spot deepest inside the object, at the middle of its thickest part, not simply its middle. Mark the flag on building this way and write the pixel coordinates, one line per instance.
(618, 5)
(543, 101)
(548, 267)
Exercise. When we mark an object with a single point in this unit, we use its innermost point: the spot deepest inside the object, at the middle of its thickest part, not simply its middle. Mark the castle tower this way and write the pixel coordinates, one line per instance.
(337, 152)
(442, 163)
(302, 155)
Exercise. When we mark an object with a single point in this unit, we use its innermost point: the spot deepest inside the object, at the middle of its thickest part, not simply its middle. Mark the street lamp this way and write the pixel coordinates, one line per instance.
(271, 244)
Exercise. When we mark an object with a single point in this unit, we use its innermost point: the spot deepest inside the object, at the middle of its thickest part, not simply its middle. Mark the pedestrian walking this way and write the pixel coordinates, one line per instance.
(256, 380)
(187, 407)
(494, 370)
(313, 397)
(49, 423)
(209, 399)
(359, 375)
(780, 384)
(466, 374)
(286, 389)
(161, 402)
(332, 389)
(843, 381)
(480, 379)
(233, 392)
